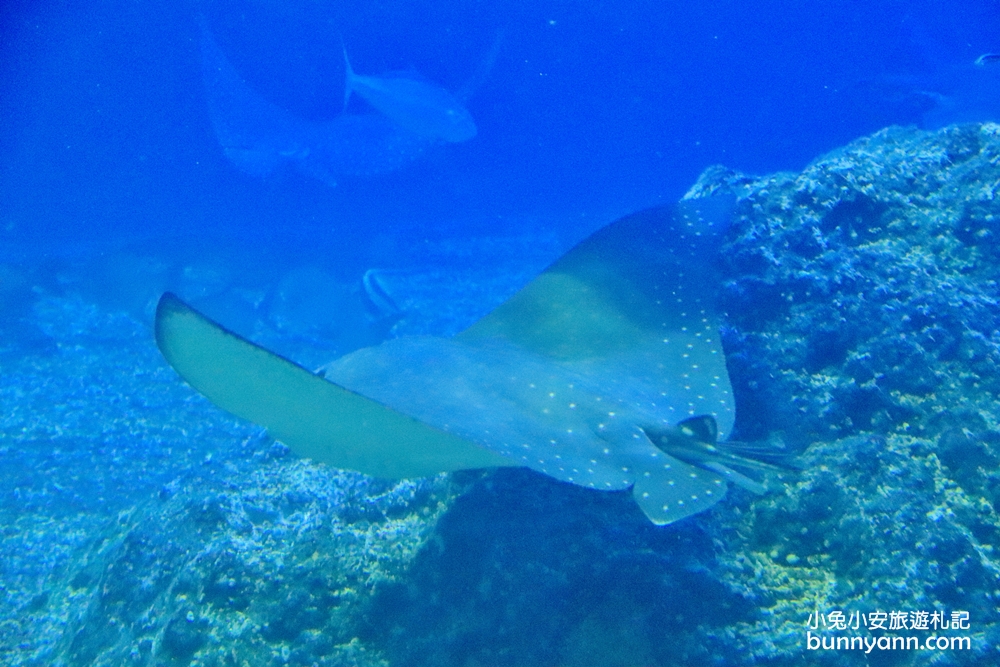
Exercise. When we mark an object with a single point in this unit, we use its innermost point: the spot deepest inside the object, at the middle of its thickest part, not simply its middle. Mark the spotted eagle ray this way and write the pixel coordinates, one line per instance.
(606, 371)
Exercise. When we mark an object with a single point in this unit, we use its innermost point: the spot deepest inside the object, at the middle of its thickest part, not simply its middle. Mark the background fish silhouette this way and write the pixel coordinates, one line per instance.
(259, 137)
(423, 108)
(606, 371)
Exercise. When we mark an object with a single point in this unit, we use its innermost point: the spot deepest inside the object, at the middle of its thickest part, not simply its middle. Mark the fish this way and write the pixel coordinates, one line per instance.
(260, 138)
(421, 107)
(605, 371)
(988, 60)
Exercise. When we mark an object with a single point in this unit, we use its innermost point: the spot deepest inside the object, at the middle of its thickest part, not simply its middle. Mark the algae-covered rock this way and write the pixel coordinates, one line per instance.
(862, 292)
(277, 563)
(863, 324)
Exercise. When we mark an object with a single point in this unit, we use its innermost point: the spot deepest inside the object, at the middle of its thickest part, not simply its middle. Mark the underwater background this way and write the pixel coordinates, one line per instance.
(201, 147)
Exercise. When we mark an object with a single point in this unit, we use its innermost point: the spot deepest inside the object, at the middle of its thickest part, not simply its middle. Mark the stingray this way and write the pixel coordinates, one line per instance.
(606, 371)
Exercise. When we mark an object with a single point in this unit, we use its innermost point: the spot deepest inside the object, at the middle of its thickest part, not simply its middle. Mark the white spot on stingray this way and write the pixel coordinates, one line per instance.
(572, 406)
(526, 446)
(607, 451)
(611, 414)
(645, 494)
(666, 507)
(672, 483)
(645, 474)
(624, 469)
(552, 394)
(708, 492)
(680, 502)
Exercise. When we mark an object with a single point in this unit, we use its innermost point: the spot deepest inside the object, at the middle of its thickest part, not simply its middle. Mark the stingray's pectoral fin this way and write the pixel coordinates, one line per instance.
(670, 489)
(314, 417)
(686, 491)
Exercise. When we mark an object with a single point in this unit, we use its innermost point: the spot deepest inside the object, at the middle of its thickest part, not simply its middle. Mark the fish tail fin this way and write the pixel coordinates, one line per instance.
(348, 76)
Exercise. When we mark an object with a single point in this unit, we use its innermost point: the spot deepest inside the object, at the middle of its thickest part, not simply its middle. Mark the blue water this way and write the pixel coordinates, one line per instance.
(115, 186)
(591, 108)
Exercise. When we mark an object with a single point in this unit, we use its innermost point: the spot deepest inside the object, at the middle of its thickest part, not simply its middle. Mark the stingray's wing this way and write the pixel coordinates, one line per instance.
(256, 136)
(314, 417)
(634, 303)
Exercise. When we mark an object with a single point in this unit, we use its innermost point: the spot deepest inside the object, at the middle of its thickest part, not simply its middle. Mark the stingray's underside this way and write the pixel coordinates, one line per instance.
(615, 341)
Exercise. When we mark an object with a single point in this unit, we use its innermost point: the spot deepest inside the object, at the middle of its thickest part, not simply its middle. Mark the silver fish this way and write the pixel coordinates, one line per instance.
(423, 108)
